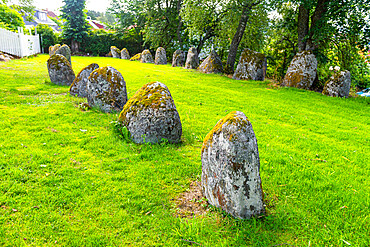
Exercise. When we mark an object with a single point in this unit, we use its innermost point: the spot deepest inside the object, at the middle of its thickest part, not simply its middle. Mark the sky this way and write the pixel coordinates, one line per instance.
(54, 5)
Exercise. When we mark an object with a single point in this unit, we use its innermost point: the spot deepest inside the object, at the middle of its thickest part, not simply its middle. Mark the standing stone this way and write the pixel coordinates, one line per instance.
(230, 167)
(151, 116)
(160, 56)
(178, 58)
(212, 64)
(60, 70)
(79, 85)
(116, 53)
(252, 66)
(338, 85)
(65, 51)
(125, 54)
(146, 57)
(53, 49)
(106, 89)
(192, 60)
(302, 71)
(137, 57)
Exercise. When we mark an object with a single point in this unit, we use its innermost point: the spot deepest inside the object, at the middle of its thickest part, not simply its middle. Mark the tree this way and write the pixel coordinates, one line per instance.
(76, 26)
(10, 18)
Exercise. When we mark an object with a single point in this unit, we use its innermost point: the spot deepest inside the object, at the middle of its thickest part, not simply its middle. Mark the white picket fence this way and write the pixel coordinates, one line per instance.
(19, 44)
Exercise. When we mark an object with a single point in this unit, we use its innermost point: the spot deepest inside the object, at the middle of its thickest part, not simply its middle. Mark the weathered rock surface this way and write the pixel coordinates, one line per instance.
(60, 70)
(106, 89)
(79, 85)
(212, 64)
(230, 167)
(151, 116)
(178, 58)
(338, 85)
(302, 71)
(5, 57)
(146, 57)
(192, 59)
(125, 54)
(53, 49)
(116, 53)
(65, 51)
(252, 66)
(160, 56)
(137, 57)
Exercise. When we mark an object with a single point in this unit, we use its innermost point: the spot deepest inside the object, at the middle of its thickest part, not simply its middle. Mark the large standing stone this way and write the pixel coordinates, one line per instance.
(65, 51)
(178, 58)
(137, 57)
(106, 89)
(146, 57)
(160, 56)
(302, 71)
(79, 85)
(212, 64)
(116, 53)
(125, 54)
(192, 59)
(230, 167)
(151, 116)
(252, 66)
(338, 85)
(60, 70)
(53, 49)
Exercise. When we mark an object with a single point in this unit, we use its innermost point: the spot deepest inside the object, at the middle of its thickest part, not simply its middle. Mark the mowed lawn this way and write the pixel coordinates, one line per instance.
(67, 179)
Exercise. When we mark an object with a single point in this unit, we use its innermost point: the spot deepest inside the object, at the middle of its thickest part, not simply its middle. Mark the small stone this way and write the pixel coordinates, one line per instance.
(3, 58)
(137, 57)
(79, 85)
(338, 85)
(160, 56)
(212, 64)
(230, 167)
(178, 58)
(116, 53)
(192, 59)
(65, 51)
(125, 54)
(252, 66)
(106, 89)
(302, 71)
(151, 116)
(60, 70)
(53, 49)
(146, 57)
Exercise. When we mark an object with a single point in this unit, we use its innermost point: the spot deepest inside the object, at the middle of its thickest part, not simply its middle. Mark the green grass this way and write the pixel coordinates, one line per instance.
(67, 179)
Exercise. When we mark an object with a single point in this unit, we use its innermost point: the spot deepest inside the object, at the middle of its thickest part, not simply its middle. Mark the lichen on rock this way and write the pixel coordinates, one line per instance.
(230, 167)
(116, 53)
(60, 70)
(160, 56)
(65, 51)
(106, 89)
(137, 57)
(212, 64)
(125, 54)
(338, 85)
(79, 85)
(178, 58)
(146, 57)
(53, 49)
(252, 66)
(151, 116)
(192, 59)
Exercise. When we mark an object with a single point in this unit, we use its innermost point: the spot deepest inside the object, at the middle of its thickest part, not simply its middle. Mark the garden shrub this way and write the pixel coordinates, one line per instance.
(48, 36)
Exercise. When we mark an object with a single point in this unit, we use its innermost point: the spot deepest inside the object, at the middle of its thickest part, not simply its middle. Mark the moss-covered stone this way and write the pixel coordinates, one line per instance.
(146, 57)
(252, 66)
(106, 89)
(160, 56)
(338, 85)
(151, 116)
(116, 53)
(60, 70)
(178, 58)
(125, 54)
(212, 64)
(137, 57)
(79, 85)
(53, 49)
(65, 51)
(192, 59)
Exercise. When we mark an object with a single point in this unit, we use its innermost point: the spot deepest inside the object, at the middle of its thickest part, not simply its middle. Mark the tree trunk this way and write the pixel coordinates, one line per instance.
(303, 26)
(316, 18)
(179, 26)
(75, 46)
(229, 68)
(209, 34)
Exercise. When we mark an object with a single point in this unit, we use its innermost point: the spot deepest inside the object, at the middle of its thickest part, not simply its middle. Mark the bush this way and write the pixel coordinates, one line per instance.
(10, 19)
(48, 37)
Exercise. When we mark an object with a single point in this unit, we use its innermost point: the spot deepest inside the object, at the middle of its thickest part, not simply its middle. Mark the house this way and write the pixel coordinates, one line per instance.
(41, 17)
(95, 24)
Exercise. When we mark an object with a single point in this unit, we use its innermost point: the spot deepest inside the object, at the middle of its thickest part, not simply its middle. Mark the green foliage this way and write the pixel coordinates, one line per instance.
(49, 37)
(11, 18)
(121, 130)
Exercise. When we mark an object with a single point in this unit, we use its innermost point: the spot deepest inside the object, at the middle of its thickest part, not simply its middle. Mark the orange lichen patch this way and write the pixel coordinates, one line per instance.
(113, 48)
(56, 60)
(136, 57)
(53, 49)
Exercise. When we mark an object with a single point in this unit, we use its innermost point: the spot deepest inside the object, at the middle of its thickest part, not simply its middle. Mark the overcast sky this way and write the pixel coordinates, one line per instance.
(54, 5)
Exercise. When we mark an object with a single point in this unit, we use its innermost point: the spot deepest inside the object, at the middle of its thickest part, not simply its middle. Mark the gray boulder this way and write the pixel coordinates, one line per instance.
(230, 167)
(338, 85)
(53, 49)
(212, 64)
(116, 53)
(192, 59)
(302, 71)
(151, 116)
(252, 66)
(125, 54)
(65, 51)
(106, 89)
(79, 85)
(60, 70)
(178, 58)
(160, 56)
(146, 57)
